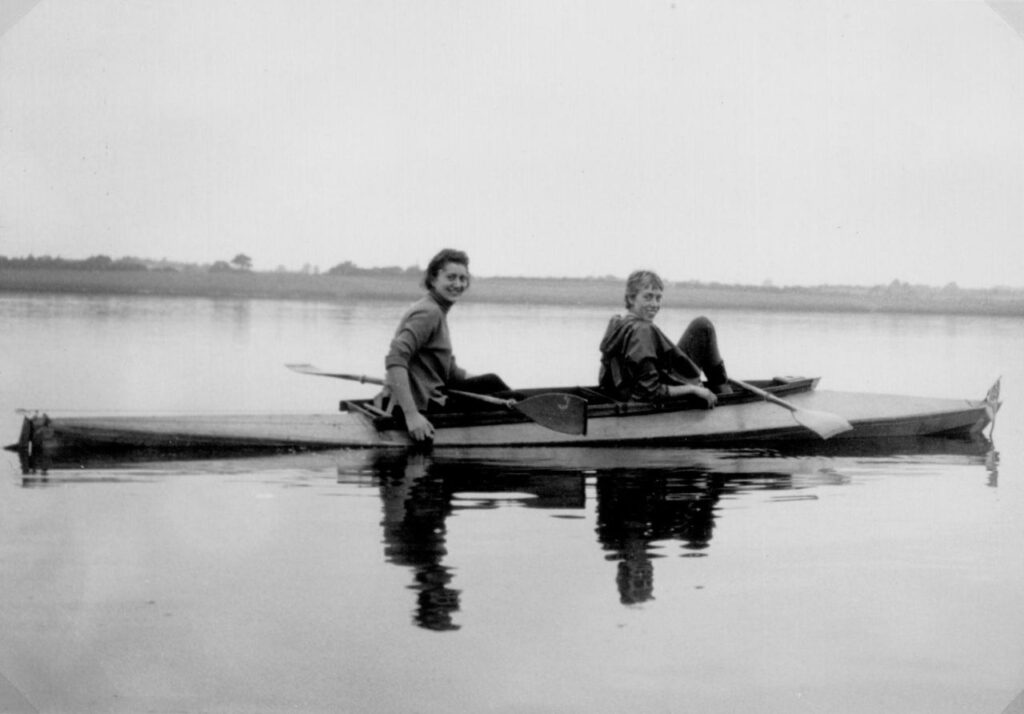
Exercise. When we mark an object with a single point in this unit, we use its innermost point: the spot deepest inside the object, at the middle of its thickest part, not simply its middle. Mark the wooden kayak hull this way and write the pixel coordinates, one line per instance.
(873, 416)
(739, 420)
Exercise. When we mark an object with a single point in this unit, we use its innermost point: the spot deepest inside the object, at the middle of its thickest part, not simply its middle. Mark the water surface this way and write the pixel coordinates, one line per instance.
(546, 580)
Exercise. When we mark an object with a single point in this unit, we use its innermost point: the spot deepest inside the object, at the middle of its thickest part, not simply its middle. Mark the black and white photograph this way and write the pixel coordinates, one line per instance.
(515, 357)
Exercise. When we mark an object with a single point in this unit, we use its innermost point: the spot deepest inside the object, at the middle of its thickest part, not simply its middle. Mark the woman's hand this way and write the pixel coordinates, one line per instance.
(419, 428)
(415, 423)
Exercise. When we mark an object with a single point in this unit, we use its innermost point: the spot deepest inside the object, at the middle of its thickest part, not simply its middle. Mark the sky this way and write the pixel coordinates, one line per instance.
(804, 143)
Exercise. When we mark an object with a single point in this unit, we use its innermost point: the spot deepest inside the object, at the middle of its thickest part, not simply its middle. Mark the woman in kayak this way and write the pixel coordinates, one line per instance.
(420, 364)
(639, 363)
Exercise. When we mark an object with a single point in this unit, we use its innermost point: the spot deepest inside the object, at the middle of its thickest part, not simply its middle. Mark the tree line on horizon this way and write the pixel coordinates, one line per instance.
(95, 262)
(242, 263)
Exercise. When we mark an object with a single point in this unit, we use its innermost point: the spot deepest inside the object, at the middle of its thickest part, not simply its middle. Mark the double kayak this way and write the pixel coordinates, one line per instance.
(779, 411)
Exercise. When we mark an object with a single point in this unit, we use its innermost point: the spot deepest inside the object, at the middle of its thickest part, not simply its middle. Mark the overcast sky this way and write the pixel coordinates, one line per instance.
(845, 141)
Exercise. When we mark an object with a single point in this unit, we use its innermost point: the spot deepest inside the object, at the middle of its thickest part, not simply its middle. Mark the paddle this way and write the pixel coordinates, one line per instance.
(824, 424)
(557, 411)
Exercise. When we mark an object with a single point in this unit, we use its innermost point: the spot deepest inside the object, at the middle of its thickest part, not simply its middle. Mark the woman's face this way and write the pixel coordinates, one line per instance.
(451, 281)
(646, 303)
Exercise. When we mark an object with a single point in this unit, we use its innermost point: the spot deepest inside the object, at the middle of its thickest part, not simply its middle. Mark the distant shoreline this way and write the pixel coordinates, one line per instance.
(524, 291)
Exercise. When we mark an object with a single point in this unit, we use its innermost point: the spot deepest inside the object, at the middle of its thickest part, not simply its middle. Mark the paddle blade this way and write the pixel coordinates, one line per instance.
(824, 424)
(566, 413)
(304, 368)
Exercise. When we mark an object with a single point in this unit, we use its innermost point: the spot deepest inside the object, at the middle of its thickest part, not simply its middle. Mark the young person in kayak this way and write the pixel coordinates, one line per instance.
(638, 361)
(420, 364)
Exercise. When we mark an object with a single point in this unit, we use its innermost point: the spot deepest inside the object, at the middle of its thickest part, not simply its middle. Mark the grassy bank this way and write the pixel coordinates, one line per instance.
(563, 291)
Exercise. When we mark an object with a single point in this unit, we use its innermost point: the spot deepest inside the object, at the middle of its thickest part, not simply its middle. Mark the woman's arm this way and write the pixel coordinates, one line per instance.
(418, 426)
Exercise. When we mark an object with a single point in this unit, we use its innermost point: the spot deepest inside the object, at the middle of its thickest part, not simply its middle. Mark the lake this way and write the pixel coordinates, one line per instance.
(546, 580)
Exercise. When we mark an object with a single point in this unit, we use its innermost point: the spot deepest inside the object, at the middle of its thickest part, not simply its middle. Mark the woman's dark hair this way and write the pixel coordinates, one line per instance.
(437, 263)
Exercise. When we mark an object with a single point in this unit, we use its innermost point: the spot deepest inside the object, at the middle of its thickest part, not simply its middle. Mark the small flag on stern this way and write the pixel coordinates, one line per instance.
(992, 397)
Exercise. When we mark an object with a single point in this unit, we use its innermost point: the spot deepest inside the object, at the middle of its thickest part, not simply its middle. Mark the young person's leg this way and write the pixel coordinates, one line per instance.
(700, 343)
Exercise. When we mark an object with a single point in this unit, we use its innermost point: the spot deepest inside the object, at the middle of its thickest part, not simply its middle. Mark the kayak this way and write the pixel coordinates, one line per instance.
(739, 419)
(776, 411)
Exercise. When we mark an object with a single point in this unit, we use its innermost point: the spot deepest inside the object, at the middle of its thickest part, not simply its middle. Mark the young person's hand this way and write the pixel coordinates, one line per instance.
(696, 390)
(707, 395)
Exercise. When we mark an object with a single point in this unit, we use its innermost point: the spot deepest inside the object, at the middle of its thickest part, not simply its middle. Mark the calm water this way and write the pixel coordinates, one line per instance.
(551, 580)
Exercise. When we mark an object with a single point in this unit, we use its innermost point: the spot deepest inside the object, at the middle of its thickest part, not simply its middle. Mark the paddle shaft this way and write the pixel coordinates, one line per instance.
(361, 378)
(764, 395)
(365, 379)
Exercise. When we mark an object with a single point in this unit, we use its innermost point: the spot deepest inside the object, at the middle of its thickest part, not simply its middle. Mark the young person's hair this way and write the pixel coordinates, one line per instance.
(437, 263)
(638, 280)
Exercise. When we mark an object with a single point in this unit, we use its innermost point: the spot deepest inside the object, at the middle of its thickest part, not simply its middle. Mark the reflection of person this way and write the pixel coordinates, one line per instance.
(640, 363)
(420, 364)
(636, 509)
(416, 506)
(416, 494)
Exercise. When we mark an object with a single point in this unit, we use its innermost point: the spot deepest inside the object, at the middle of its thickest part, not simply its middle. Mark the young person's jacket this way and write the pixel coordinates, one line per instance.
(639, 362)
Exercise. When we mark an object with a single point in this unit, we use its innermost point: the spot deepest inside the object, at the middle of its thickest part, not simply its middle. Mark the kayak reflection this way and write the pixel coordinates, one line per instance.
(642, 500)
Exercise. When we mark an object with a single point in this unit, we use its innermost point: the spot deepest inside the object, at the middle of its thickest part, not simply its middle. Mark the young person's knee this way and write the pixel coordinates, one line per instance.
(701, 324)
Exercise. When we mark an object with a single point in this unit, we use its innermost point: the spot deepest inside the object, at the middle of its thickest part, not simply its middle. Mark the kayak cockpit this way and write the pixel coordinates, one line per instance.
(598, 404)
